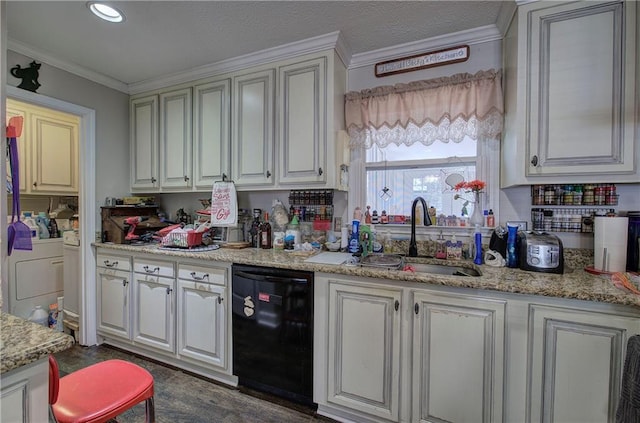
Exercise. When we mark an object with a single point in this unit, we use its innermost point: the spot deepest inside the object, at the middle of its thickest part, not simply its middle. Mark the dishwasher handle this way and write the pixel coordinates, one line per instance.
(268, 278)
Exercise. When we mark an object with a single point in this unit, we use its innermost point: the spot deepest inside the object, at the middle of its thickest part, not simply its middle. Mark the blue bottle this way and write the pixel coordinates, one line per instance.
(478, 242)
(354, 241)
(512, 245)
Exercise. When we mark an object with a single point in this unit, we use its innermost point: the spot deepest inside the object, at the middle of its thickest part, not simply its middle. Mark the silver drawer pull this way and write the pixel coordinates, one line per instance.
(109, 264)
(195, 276)
(154, 270)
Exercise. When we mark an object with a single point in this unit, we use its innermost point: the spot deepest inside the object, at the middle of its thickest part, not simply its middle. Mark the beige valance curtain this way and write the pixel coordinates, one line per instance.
(443, 109)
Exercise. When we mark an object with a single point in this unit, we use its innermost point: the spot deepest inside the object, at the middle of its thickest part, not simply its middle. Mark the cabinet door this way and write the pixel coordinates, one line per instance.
(202, 323)
(154, 311)
(458, 358)
(212, 136)
(54, 151)
(582, 61)
(253, 124)
(302, 130)
(364, 349)
(575, 366)
(144, 143)
(18, 109)
(113, 302)
(175, 139)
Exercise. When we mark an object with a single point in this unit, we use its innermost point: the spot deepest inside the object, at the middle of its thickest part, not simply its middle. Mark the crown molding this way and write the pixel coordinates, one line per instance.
(505, 16)
(479, 35)
(67, 66)
(283, 52)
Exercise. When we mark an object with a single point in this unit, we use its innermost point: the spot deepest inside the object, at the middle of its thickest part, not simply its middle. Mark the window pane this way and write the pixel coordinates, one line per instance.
(405, 184)
(419, 151)
(409, 171)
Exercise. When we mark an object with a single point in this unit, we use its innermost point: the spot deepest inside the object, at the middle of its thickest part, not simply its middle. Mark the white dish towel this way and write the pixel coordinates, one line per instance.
(224, 204)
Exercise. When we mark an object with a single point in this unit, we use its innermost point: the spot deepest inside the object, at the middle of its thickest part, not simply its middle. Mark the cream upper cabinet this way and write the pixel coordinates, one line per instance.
(310, 117)
(211, 133)
(570, 84)
(458, 358)
(48, 149)
(576, 363)
(175, 139)
(253, 128)
(302, 122)
(144, 144)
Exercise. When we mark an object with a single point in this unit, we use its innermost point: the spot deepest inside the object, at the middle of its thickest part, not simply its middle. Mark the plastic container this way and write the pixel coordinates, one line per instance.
(39, 316)
(43, 224)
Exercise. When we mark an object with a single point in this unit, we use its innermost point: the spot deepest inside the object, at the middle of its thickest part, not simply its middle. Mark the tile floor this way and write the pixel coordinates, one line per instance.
(183, 397)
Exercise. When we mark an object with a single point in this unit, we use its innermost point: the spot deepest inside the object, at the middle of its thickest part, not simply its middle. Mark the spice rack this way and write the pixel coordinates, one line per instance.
(570, 207)
(311, 205)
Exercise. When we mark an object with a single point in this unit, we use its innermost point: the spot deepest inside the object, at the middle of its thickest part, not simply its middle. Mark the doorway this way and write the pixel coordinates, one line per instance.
(86, 204)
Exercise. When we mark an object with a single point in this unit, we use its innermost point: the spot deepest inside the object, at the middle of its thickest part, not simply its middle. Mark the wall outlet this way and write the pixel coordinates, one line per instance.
(337, 223)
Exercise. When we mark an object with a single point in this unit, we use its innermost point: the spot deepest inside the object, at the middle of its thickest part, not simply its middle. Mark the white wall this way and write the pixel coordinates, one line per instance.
(112, 121)
(482, 56)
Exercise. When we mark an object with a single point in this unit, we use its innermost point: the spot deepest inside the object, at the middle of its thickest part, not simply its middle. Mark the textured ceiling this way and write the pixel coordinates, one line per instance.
(161, 38)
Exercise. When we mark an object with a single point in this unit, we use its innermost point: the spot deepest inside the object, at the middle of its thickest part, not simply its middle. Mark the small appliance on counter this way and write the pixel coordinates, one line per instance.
(541, 252)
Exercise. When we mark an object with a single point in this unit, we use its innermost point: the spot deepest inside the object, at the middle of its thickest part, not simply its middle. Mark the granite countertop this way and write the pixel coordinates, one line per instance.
(576, 284)
(23, 342)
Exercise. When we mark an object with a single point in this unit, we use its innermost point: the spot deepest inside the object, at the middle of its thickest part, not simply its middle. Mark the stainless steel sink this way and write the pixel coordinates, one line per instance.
(441, 269)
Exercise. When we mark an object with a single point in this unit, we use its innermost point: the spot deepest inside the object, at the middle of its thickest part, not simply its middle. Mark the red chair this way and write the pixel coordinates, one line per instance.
(99, 392)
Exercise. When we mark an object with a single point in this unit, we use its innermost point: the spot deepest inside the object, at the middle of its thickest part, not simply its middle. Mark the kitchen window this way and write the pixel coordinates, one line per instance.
(418, 139)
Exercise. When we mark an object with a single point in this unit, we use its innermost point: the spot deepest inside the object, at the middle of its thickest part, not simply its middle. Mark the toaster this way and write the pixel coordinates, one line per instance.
(541, 252)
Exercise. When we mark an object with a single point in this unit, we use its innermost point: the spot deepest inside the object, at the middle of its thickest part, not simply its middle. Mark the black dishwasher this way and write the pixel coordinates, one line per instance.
(273, 331)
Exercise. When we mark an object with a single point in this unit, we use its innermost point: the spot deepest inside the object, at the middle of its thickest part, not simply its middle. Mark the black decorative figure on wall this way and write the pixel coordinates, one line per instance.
(28, 75)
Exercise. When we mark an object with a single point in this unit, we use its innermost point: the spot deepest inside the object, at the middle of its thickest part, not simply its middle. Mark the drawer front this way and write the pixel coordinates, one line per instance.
(154, 267)
(114, 262)
(202, 274)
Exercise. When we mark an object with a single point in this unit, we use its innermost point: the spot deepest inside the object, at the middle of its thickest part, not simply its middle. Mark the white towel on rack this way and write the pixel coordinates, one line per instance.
(224, 204)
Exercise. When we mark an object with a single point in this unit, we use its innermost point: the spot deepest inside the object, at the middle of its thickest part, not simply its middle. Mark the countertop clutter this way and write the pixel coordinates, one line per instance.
(574, 284)
(33, 343)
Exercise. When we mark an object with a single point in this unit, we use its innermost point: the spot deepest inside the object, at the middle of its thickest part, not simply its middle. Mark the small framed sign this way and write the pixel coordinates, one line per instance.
(423, 61)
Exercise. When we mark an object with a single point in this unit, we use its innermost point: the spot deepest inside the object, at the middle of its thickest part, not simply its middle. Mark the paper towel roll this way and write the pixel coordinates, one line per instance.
(610, 243)
(344, 237)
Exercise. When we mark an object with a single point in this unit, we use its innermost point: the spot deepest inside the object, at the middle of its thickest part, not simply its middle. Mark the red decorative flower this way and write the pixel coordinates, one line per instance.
(472, 186)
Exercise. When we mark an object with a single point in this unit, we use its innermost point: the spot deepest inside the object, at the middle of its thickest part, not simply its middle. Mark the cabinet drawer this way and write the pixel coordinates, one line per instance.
(113, 262)
(154, 267)
(202, 274)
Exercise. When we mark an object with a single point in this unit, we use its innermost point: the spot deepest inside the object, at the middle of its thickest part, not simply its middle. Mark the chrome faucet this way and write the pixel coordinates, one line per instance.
(413, 248)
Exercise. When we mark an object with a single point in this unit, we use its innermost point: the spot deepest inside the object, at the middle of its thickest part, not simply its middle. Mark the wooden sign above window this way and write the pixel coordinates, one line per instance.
(423, 61)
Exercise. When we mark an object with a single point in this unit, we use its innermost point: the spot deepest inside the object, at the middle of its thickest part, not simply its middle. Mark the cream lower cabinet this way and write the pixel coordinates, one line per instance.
(364, 348)
(202, 315)
(172, 310)
(154, 305)
(458, 358)
(114, 296)
(576, 362)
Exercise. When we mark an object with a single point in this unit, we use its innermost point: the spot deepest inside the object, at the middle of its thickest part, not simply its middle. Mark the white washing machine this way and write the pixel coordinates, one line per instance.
(71, 286)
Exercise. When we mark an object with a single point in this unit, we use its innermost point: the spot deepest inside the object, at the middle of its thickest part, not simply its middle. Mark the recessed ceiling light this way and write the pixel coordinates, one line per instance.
(106, 12)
